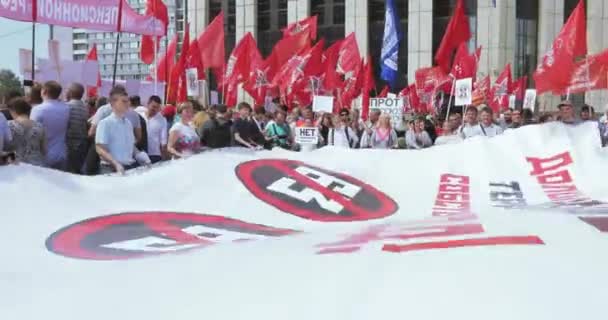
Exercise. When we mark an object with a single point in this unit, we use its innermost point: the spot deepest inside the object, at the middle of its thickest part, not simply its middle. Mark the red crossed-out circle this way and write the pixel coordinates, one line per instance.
(370, 203)
(84, 239)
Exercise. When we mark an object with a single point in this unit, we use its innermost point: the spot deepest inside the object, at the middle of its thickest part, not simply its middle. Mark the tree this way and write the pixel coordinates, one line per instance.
(8, 82)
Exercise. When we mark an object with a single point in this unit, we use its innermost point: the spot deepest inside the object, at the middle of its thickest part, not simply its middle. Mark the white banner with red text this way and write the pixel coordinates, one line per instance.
(100, 15)
(512, 227)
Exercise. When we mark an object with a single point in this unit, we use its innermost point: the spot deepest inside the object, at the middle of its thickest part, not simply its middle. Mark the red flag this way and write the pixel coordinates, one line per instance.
(369, 82)
(211, 44)
(499, 93)
(349, 58)
(309, 23)
(92, 56)
(413, 98)
(465, 64)
(481, 90)
(296, 67)
(558, 64)
(286, 48)
(237, 68)
(384, 92)
(157, 9)
(428, 82)
(194, 59)
(457, 32)
(177, 88)
(332, 79)
(257, 83)
(167, 61)
(589, 74)
(518, 88)
(352, 87)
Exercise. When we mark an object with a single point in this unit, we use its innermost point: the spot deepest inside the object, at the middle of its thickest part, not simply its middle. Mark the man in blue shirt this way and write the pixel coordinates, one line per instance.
(114, 137)
(54, 116)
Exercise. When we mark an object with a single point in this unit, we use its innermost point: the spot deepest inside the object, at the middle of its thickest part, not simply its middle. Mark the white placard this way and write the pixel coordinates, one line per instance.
(323, 104)
(463, 92)
(133, 87)
(307, 135)
(530, 99)
(192, 82)
(512, 99)
(391, 95)
(213, 97)
(390, 106)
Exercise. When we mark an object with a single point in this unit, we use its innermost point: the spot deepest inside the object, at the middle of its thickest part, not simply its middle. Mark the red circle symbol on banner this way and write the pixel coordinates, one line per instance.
(314, 193)
(140, 234)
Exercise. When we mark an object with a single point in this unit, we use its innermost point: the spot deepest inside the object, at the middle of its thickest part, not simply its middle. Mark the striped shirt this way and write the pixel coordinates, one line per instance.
(77, 124)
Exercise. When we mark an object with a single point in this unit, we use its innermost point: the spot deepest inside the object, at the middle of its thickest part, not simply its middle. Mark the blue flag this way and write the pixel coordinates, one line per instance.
(390, 45)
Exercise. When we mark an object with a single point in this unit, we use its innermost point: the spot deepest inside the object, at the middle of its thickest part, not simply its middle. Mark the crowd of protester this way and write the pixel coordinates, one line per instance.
(57, 129)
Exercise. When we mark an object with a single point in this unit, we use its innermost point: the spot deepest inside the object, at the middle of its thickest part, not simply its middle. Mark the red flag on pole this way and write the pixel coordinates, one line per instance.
(518, 88)
(499, 93)
(167, 61)
(457, 32)
(481, 90)
(309, 23)
(211, 44)
(349, 59)
(558, 64)
(589, 74)
(368, 84)
(257, 83)
(465, 64)
(286, 48)
(92, 56)
(157, 9)
(237, 68)
(194, 59)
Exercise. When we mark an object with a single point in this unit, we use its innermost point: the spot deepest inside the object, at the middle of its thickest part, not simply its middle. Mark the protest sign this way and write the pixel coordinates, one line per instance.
(307, 135)
(390, 106)
(463, 92)
(323, 104)
(530, 99)
(512, 100)
(192, 82)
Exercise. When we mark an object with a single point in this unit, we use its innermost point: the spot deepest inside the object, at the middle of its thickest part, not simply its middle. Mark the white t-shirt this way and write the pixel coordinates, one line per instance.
(470, 131)
(157, 133)
(188, 141)
(337, 137)
(490, 131)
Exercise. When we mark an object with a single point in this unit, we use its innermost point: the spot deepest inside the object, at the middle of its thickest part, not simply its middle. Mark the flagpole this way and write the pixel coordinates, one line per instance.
(155, 64)
(115, 59)
(33, 50)
(451, 96)
(166, 68)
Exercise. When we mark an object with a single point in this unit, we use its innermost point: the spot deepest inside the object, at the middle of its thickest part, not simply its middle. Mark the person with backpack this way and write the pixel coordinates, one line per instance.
(343, 135)
(217, 131)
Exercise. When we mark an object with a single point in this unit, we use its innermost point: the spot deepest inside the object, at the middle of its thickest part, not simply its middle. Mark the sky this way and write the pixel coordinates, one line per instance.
(15, 35)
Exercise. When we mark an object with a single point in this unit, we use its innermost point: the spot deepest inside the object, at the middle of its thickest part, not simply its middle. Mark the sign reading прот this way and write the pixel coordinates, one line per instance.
(390, 106)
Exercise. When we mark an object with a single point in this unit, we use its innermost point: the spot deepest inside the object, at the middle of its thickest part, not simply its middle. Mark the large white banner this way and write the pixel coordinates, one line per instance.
(512, 227)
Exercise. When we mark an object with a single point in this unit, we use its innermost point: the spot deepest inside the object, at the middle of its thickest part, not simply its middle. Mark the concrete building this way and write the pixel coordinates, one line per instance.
(129, 65)
(511, 31)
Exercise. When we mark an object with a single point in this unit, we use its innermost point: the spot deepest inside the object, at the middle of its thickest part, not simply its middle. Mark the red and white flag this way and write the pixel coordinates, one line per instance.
(309, 23)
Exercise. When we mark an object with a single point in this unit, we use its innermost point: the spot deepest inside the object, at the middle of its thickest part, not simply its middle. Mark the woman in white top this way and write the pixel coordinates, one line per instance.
(183, 140)
(417, 137)
(383, 135)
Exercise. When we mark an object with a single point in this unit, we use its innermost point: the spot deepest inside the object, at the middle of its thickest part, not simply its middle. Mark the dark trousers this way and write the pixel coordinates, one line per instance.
(155, 159)
(91, 163)
(76, 157)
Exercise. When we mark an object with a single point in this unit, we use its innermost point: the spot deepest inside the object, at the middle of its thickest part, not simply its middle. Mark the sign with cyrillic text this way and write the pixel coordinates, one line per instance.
(307, 135)
(530, 99)
(390, 106)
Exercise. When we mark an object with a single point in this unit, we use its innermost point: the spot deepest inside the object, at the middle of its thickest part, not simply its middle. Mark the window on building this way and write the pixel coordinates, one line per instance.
(526, 38)
(108, 46)
(272, 17)
(330, 19)
(376, 11)
(442, 12)
(99, 35)
(134, 45)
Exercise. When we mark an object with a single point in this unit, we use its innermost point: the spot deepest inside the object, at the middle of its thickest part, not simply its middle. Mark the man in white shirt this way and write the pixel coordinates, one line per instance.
(157, 128)
(487, 126)
(114, 138)
(5, 133)
(450, 131)
(105, 110)
(471, 126)
(343, 135)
